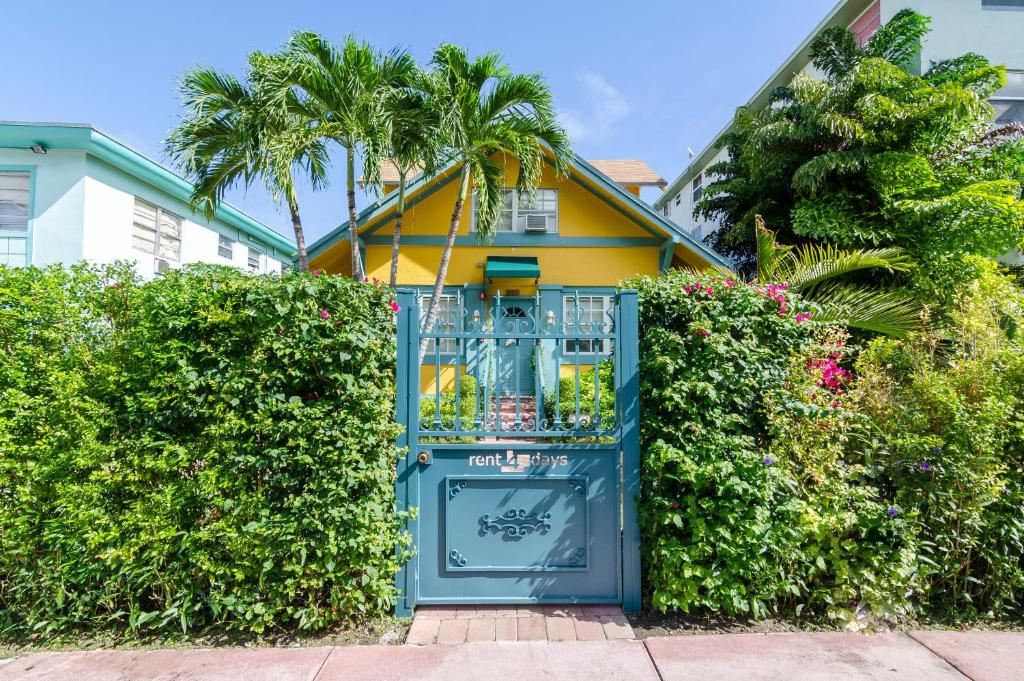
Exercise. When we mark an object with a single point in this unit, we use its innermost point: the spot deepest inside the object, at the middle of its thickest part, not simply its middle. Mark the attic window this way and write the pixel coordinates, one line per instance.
(698, 187)
(525, 214)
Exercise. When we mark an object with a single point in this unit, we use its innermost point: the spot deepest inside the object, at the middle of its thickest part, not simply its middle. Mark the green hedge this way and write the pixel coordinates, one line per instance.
(209, 448)
(790, 471)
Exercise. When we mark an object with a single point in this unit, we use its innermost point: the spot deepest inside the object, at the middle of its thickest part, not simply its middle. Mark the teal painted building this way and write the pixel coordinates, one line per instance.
(70, 192)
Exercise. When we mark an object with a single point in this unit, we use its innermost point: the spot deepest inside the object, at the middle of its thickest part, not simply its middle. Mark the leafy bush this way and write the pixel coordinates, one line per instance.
(748, 504)
(466, 408)
(944, 413)
(567, 397)
(207, 448)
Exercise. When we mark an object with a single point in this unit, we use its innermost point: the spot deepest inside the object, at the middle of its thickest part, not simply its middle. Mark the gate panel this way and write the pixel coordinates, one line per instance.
(524, 494)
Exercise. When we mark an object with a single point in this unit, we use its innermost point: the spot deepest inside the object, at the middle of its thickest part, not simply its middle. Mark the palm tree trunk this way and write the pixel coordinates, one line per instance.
(300, 238)
(446, 256)
(397, 239)
(353, 228)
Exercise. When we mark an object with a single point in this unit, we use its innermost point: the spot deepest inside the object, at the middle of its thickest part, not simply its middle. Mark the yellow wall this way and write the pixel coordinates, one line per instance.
(581, 213)
(417, 265)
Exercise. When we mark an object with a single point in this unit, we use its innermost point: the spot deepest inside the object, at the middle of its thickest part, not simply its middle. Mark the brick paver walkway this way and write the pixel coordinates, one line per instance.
(462, 624)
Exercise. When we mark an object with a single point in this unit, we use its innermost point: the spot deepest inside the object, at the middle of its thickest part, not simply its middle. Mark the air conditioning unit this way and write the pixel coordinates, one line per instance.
(536, 223)
(161, 265)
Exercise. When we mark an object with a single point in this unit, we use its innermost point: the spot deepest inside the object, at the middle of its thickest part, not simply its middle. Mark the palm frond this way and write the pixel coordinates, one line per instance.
(892, 313)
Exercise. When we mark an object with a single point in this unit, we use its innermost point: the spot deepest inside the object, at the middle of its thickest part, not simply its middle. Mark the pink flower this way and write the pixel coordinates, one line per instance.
(835, 405)
(708, 290)
(395, 307)
(316, 273)
(324, 314)
(729, 283)
(802, 317)
(687, 289)
(366, 280)
(702, 332)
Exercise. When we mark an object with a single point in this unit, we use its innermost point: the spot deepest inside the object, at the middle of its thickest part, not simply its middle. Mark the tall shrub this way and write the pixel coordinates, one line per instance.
(244, 467)
(749, 503)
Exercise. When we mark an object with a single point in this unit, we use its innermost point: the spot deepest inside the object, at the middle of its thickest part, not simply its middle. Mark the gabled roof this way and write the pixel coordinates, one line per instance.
(577, 166)
(83, 137)
(629, 172)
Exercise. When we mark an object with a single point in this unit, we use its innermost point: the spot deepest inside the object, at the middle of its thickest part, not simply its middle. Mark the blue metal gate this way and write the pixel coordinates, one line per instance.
(523, 478)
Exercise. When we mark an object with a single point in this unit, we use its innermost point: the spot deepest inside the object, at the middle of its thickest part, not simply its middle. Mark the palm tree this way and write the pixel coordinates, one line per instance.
(812, 271)
(485, 111)
(411, 146)
(345, 91)
(233, 132)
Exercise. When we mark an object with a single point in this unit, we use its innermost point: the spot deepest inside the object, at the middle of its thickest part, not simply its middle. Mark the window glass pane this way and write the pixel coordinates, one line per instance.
(170, 236)
(447, 322)
(144, 227)
(1002, 4)
(538, 212)
(1008, 111)
(13, 251)
(254, 259)
(593, 318)
(14, 189)
(225, 247)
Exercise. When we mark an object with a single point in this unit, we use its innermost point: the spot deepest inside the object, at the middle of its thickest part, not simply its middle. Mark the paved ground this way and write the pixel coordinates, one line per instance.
(921, 656)
(475, 624)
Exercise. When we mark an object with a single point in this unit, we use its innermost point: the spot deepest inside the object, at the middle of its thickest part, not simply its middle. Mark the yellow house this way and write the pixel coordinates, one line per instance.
(579, 237)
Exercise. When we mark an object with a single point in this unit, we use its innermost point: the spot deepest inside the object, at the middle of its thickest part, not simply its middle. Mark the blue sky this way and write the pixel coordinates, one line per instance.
(644, 80)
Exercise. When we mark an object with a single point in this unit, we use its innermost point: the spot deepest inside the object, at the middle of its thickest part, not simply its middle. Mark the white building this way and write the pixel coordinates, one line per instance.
(993, 28)
(70, 193)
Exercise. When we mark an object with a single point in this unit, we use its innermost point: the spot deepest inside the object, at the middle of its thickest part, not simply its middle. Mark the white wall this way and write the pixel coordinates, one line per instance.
(960, 26)
(682, 214)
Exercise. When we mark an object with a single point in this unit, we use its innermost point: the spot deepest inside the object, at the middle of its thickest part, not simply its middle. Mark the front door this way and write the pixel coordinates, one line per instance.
(514, 356)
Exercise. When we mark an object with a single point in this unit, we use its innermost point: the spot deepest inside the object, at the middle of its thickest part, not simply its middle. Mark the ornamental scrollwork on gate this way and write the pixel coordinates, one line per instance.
(516, 523)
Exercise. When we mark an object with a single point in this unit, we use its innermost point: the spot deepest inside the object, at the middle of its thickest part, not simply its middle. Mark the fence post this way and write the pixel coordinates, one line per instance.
(628, 374)
(406, 385)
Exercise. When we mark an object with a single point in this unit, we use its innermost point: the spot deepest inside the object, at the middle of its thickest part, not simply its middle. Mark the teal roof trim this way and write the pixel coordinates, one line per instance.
(76, 137)
(577, 164)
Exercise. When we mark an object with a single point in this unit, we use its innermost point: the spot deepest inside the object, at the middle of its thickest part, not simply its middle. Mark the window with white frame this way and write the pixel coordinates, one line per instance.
(225, 247)
(14, 202)
(156, 231)
(1003, 4)
(698, 187)
(447, 322)
(1009, 101)
(254, 260)
(593, 315)
(679, 198)
(525, 213)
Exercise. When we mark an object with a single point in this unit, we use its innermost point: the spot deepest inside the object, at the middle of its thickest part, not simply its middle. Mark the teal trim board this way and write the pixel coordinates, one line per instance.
(517, 501)
(512, 267)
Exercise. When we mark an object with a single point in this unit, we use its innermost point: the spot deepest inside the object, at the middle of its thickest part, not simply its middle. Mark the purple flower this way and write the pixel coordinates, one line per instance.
(925, 466)
(768, 461)
(892, 512)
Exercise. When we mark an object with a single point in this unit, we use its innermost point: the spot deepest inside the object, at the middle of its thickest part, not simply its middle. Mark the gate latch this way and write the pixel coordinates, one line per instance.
(425, 458)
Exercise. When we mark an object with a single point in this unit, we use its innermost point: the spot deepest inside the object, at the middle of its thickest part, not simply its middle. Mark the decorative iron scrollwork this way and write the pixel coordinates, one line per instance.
(516, 522)
(456, 487)
(578, 486)
(456, 558)
(578, 556)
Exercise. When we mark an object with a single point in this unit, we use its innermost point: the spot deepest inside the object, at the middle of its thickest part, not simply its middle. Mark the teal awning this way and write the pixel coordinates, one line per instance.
(511, 267)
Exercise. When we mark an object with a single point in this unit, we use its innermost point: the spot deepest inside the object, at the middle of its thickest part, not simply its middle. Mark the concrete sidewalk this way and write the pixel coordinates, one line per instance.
(920, 656)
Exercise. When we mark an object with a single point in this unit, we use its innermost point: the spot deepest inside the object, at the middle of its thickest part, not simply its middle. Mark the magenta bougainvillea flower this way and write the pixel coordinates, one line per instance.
(802, 317)
(316, 273)
(688, 289)
(702, 332)
(729, 283)
(395, 307)
(324, 314)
